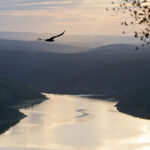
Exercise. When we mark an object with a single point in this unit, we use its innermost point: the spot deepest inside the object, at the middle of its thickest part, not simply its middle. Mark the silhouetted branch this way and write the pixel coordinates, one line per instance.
(139, 12)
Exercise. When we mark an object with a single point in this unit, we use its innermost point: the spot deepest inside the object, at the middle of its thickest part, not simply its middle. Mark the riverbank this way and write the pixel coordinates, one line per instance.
(15, 95)
(137, 107)
(10, 116)
(72, 122)
(135, 103)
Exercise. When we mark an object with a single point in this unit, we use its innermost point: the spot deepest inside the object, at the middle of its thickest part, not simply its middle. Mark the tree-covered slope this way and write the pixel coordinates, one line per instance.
(13, 92)
(114, 68)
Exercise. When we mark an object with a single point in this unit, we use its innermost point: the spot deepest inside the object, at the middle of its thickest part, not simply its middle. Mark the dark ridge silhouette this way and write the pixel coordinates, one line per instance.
(52, 38)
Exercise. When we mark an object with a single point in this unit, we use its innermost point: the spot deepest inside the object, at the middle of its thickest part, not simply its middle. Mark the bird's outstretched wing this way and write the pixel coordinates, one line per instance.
(53, 37)
(58, 35)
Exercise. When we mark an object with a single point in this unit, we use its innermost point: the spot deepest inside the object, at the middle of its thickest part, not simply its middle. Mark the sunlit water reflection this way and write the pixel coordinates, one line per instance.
(73, 123)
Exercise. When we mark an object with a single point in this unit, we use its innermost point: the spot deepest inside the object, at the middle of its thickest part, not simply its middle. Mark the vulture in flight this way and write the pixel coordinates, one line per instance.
(51, 39)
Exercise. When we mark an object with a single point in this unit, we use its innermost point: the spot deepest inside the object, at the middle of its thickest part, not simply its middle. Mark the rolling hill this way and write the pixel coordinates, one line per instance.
(106, 69)
(113, 68)
(116, 70)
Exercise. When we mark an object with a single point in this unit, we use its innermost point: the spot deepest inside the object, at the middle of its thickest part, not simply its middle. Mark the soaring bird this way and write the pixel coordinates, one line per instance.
(51, 39)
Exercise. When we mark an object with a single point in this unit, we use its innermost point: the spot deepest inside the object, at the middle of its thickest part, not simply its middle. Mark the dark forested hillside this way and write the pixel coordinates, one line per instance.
(14, 92)
(107, 69)
(136, 102)
(113, 70)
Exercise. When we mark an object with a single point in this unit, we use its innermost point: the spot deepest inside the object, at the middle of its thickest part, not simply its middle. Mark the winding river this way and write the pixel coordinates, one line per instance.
(67, 122)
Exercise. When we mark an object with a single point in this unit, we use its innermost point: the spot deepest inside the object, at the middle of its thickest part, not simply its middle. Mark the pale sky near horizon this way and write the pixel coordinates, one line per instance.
(74, 16)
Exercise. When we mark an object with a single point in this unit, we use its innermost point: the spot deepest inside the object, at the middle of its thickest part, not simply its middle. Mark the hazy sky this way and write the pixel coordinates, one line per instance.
(74, 16)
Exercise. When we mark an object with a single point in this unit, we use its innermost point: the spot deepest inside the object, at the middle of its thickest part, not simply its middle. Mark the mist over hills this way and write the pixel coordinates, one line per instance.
(93, 41)
(87, 41)
(111, 68)
(18, 36)
(38, 46)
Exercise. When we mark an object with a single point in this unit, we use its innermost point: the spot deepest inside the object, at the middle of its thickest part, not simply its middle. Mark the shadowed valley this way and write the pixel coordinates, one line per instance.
(113, 71)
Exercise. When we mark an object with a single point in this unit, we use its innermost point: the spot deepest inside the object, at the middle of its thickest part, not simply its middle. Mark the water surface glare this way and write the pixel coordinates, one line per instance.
(74, 123)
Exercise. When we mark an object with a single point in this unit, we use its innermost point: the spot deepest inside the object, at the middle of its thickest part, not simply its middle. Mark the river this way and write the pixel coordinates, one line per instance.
(67, 122)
